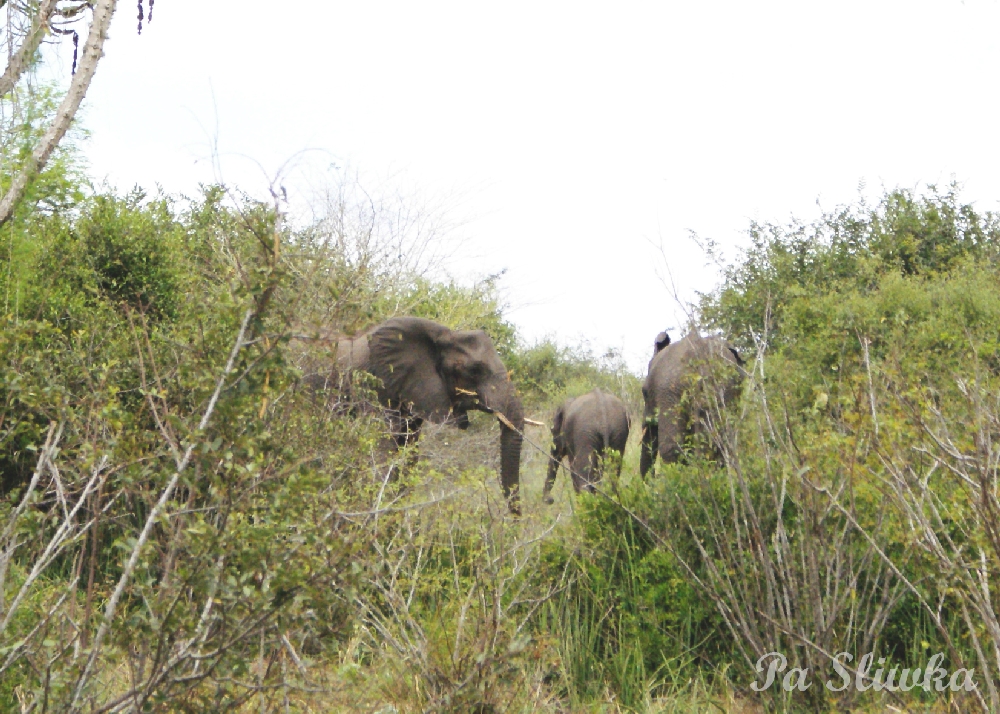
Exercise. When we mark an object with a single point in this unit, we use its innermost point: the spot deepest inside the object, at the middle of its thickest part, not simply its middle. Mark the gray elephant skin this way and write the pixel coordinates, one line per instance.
(428, 372)
(584, 429)
(685, 380)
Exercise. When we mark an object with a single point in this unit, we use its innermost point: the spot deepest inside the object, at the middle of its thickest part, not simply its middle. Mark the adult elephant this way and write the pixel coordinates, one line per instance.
(426, 371)
(686, 380)
(585, 429)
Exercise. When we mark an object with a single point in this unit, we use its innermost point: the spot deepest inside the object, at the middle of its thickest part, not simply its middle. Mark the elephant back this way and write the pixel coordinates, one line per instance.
(352, 353)
(603, 416)
(685, 360)
(559, 418)
(329, 367)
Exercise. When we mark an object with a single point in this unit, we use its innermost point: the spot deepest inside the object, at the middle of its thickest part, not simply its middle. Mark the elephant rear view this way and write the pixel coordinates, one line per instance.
(585, 429)
(686, 380)
(427, 371)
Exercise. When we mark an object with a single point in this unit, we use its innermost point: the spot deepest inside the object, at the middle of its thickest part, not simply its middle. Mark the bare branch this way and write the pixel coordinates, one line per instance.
(93, 50)
(154, 515)
(20, 60)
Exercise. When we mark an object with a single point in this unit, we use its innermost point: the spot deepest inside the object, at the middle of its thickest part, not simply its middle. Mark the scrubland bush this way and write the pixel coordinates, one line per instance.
(186, 526)
(155, 465)
(854, 509)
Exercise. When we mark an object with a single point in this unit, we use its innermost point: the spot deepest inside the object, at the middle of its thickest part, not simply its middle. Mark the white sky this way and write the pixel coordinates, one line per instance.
(568, 138)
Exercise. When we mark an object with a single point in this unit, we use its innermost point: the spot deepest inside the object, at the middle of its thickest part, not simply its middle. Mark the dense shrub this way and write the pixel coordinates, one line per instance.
(132, 313)
(239, 534)
(875, 332)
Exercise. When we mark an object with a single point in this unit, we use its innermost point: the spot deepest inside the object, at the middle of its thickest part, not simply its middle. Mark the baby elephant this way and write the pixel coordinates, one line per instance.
(584, 429)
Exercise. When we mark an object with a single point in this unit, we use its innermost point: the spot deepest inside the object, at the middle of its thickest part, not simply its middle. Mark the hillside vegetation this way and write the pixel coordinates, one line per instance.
(186, 526)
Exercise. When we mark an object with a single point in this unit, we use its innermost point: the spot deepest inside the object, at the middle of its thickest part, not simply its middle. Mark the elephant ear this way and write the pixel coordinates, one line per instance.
(736, 356)
(557, 419)
(661, 341)
(404, 355)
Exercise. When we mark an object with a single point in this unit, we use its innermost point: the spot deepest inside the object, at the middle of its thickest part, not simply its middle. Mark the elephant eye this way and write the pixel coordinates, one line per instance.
(478, 371)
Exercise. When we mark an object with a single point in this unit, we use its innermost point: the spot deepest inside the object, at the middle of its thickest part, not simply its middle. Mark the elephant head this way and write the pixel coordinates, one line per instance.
(427, 371)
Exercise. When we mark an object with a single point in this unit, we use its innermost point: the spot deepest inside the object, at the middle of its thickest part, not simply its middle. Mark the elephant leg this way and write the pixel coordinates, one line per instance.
(410, 437)
(403, 431)
(555, 460)
(596, 471)
(650, 447)
(613, 457)
(672, 432)
(574, 472)
(581, 467)
(619, 451)
(619, 457)
(387, 452)
(664, 433)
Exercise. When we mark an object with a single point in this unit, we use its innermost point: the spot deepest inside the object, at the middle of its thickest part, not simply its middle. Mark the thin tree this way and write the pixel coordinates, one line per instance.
(28, 23)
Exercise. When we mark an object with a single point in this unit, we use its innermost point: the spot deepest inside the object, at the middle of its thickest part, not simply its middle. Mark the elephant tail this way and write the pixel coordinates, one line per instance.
(610, 425)
(605, 421)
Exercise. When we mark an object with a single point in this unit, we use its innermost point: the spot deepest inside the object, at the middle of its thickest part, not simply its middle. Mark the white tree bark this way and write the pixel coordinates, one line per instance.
(93, 50)
(19, 60)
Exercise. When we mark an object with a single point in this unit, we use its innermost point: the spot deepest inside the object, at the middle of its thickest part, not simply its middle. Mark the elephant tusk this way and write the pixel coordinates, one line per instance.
(505, 421)
(508, 423)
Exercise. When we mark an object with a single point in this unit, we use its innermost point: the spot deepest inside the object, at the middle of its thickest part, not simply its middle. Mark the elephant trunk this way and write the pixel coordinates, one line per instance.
(507, 403)
(510, 461)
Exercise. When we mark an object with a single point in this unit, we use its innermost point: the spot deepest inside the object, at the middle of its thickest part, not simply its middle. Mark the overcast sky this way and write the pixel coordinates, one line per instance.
(567, 140)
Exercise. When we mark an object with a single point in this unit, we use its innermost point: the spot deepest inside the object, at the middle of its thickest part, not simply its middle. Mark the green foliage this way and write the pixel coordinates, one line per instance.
(909, 283)
(132, 310)
(772, 289)
(873, 325)
(119, 253)
(127, 309)
(546, 373)
(282, 552)
(629, 619)
(475, 307)
(128, 247)
(449, 605)
(27, 113)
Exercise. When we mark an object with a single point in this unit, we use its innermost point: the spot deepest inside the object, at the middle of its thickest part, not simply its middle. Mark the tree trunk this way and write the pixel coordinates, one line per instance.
(93, 50)
(20, 60)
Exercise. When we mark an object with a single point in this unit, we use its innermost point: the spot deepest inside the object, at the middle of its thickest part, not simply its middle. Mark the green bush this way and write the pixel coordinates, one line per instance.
(282, 553)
